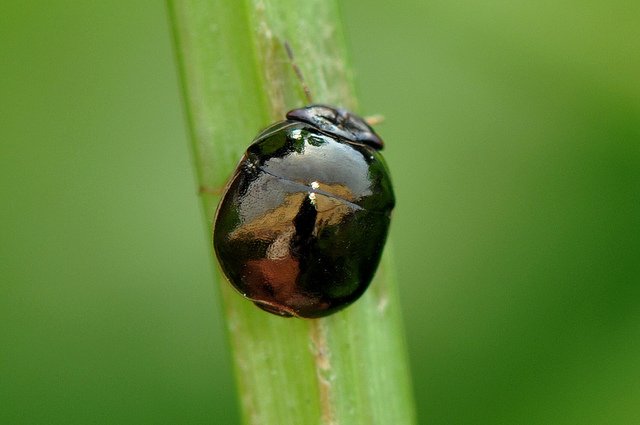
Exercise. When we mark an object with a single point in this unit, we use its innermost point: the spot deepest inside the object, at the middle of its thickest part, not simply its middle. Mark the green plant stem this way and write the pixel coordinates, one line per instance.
(349, 368)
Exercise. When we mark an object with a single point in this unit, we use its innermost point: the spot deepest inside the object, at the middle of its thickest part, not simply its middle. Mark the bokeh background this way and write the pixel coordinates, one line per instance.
(512, 132)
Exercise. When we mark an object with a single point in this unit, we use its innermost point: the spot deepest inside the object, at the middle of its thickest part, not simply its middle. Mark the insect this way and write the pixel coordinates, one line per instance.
(303, 221)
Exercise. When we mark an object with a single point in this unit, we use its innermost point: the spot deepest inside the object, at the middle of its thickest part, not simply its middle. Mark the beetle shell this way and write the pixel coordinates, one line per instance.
(303, 221)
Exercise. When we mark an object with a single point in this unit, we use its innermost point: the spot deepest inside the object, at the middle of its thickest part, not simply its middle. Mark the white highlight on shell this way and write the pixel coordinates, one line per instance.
(296, 134)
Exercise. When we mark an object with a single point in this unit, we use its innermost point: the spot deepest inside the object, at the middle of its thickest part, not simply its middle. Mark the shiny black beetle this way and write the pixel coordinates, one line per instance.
(303, 221)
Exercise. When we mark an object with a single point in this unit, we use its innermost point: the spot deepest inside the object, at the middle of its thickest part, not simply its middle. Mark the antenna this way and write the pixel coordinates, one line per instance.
(374, 120)
(298, 73)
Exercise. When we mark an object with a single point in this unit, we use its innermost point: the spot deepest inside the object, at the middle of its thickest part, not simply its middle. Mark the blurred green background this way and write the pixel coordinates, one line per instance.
(512, 131)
